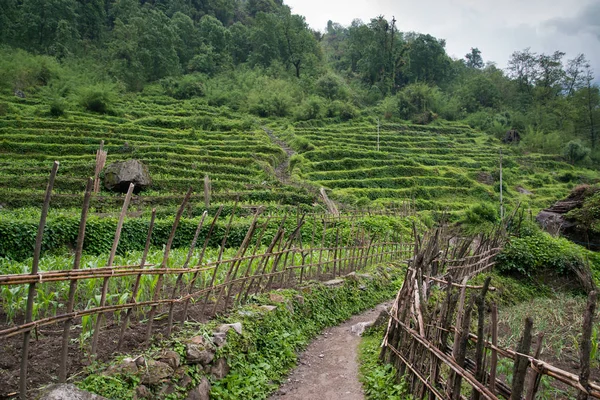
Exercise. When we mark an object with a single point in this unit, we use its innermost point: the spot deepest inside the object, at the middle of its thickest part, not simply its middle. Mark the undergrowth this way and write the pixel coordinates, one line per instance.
(267, 350)
(380, 381)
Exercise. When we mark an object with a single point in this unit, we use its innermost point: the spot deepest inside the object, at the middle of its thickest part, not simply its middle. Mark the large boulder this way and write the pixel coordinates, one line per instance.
(120, 174)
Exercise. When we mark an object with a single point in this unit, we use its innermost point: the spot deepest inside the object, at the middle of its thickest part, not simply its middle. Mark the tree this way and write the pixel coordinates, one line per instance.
(300, 44)
(574, 76)
(550, 74)
(428, 61)
(187, 37)
(474, 59)
(39, 21)
(522, 67)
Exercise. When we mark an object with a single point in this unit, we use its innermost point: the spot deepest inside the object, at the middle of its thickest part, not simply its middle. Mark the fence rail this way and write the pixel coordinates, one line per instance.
(429, 340)
(292, 257)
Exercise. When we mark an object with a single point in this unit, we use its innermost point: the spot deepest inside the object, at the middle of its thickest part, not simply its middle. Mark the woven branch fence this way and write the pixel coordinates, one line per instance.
(176, 293)
(430, 343)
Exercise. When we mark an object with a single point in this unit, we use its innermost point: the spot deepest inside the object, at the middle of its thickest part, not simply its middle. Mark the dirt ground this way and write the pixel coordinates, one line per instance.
(328, 368)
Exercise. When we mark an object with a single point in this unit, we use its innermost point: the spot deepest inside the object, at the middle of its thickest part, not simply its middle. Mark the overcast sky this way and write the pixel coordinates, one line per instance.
(496, 27)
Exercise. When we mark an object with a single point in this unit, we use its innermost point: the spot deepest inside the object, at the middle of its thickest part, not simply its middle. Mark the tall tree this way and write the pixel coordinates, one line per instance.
(474, 59)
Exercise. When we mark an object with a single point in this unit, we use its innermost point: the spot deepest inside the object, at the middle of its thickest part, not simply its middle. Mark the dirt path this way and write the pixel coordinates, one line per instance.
(328, 368)
(281, 171)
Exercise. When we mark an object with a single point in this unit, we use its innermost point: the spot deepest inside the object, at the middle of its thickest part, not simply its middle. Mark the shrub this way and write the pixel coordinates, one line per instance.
(331, 87)
(58, 107)
(311, 108)
(417, 99)
(535, 250)
(98, 98)
(575, 151)
(186, 87)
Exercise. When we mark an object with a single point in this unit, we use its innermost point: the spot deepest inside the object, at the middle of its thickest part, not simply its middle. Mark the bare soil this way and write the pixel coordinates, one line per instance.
(328, 368)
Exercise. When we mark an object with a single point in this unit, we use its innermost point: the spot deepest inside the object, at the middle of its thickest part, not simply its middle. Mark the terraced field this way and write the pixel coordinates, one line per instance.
(439, 167)
(180, 141)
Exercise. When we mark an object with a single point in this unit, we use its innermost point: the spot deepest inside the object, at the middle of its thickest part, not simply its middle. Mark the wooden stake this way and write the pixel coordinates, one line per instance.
(62, 370)
(136, 285)
(586, 345)
(37, 251)
(521, 362)
(111, 258)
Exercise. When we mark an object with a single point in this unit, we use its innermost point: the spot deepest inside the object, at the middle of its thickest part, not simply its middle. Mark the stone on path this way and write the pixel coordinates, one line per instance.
(69, 391)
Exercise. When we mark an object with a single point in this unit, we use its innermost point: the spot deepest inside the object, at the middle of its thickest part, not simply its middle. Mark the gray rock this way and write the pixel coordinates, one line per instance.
(126, 367)
(119, 175)
(185, 381)
(201, 392)
(220, 368)
(359, 329)
(202, 354)
(268, 308)
(69, 391)
(142, 392)
(524, 191)
(19, 93)
(219, 339)
(155, 371)
(334, 282)
(299, 299)
(171, 358)
(235, 326)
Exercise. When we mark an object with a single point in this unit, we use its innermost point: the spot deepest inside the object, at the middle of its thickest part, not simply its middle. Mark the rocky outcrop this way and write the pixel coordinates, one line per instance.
(119, 175)
(555, 219)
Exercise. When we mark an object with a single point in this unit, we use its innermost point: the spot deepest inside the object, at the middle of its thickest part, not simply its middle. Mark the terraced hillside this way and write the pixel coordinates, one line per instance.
(180, 141)
(439, 167)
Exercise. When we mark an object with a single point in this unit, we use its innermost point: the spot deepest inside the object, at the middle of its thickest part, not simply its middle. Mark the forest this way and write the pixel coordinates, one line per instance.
(257, 57)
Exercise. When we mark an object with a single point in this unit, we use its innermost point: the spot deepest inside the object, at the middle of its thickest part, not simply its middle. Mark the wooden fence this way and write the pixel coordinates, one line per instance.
(429, 340)
(209, 286)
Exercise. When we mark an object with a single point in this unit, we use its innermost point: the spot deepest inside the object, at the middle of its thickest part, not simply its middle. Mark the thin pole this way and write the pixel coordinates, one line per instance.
(501, 203)
(34, 270)
(377, 134)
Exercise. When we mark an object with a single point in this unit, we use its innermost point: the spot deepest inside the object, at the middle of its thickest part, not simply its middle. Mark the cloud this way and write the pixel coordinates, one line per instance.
(497, 28)
(586, 22)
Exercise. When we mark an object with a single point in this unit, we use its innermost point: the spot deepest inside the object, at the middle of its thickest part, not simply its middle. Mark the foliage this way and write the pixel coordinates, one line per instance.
(380, 382)
(575, 151)
(535, 250)
(98, 98)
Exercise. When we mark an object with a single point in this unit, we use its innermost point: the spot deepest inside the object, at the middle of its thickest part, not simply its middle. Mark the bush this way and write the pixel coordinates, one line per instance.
(575, 151)
(331, 87)
(311, 108)
(536, 250)
(98, 98)
(186, 87)
(417, 99)
(58, 107)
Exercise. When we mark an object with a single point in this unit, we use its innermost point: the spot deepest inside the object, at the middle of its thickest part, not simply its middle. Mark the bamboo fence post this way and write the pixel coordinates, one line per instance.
(62, 370)
(264, 261)
(335, 250)
(100, 162)
(312, 246)
(37, 251)
(462, 350)
(180, 276)
(479, 371)
(494, 356)
(138, 278)
(251, 261)
(240, 253)
(193, 281)
(219, 258)
(165, 260)
(536, 376)
(319, 272)
(521, 361)
(586, 345)
(111, 258)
